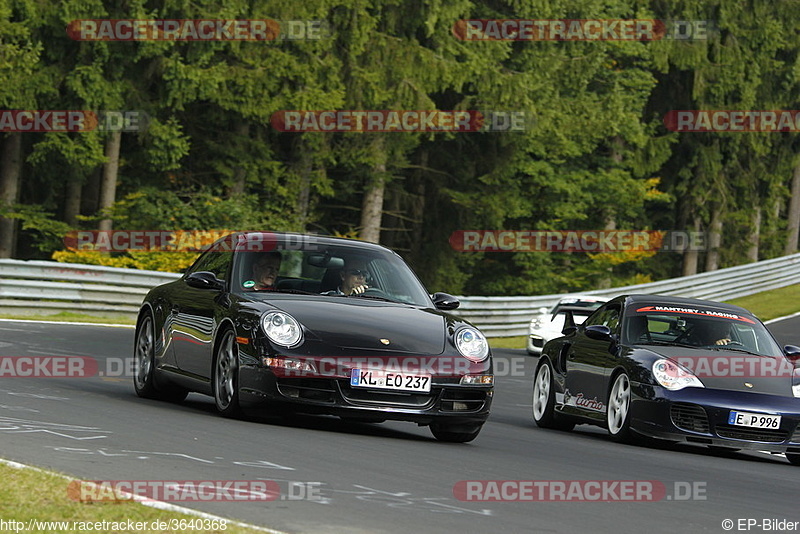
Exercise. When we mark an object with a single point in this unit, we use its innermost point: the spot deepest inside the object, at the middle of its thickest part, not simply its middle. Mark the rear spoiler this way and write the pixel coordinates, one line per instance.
(569, 323)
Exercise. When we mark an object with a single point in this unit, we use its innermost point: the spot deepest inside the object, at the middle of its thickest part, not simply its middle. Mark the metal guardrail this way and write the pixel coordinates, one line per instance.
(509, 316)
(36, 287)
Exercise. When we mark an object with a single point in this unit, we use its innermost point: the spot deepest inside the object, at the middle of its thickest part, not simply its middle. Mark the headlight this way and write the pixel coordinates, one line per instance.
(472, 345)
(536, 324)
(673, 376)
(796, 390)
(282, 329)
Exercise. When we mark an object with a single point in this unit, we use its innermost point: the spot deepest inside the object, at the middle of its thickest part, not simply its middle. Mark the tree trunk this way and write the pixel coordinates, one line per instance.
(372, 206)
(108, 187)
(90, 196)
(72, 202)
(10, 171)
(242, 135)
(690, 254)
(793, 219)
(304, 170)
(417, 207)
(755, 236)
(714, 239)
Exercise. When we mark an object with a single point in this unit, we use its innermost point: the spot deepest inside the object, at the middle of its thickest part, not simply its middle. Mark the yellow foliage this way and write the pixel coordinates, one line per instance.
(174, 262)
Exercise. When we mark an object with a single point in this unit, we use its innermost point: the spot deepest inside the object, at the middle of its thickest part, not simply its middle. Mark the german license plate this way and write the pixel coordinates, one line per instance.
(380, 379)
(754, 420)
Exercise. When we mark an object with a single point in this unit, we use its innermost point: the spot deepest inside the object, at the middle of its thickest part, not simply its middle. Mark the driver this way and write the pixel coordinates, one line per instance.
(354, 279)
(711, 333)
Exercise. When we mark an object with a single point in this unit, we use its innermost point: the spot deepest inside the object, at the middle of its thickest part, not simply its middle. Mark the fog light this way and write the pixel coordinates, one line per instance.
(460, 406)
(477, 379)
(291, 364)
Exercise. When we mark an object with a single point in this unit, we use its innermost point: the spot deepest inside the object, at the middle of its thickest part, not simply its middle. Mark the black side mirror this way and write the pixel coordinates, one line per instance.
(792, 352)
(205, 280)
(443, 301)
(599, 332)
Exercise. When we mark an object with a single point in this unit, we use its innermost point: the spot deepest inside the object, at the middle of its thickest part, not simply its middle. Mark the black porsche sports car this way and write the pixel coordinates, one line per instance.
(265, 321)
(676, 369)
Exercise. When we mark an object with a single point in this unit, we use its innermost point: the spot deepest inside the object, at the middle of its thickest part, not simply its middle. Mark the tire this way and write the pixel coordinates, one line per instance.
(144, 381)
(544, 400)
(793, 457)
(454, 433)
(225, 382)
(618, 410)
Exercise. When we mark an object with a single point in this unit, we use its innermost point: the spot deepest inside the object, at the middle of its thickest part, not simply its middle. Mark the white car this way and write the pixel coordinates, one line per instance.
(547, 325)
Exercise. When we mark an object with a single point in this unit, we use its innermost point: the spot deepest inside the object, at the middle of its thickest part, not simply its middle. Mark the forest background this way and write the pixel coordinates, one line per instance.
(597, 156)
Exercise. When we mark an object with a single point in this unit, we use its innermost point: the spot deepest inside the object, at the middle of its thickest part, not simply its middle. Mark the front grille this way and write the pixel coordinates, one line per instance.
(379, 397)
(752, 434)
(463, 401)
(689, 417)
(321, 390)
(796, 435)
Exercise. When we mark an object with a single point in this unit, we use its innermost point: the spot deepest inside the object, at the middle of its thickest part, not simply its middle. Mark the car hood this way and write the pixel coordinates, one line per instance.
(354, 323)
(733, 370)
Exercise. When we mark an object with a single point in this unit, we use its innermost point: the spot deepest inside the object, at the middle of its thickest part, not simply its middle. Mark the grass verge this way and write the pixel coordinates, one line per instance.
(67, 317)
(28, 495)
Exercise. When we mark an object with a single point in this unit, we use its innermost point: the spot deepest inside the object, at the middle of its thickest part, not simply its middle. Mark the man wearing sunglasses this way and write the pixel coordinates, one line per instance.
(354, 279)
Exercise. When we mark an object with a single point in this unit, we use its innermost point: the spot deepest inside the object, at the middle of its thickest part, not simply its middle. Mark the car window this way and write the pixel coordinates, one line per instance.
(698, 327)
(607, 316)
(318, 271)
(213, 261)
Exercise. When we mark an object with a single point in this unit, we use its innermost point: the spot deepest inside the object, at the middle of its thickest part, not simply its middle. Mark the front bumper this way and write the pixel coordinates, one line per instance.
(700, 415)
(447, 402)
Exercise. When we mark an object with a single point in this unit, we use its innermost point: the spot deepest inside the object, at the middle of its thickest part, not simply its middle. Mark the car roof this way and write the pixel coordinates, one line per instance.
(587, 298)
(316, 239)
(680, 301)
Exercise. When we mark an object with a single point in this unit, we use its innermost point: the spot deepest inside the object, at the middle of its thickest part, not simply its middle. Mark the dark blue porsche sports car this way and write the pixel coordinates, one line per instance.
(265, 322)
(676, 369)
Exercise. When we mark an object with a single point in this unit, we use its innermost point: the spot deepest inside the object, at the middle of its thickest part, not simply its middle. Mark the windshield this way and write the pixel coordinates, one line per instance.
(314, 268)
(697, 327)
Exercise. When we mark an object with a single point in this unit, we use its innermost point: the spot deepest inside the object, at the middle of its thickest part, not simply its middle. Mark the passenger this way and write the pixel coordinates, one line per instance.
(265, 270)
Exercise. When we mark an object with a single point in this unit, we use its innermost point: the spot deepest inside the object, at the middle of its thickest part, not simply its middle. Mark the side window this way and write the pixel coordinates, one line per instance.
(612, 319)
(213, 261)
(604, 316)
(598, 317)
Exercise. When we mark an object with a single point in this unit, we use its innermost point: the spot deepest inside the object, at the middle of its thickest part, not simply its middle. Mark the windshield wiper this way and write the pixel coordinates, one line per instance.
(667, 344)
(285, 290)
(376, 297)
(726, 347)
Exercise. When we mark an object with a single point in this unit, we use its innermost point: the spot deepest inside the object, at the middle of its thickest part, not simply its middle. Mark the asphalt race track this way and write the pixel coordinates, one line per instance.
(369, 478)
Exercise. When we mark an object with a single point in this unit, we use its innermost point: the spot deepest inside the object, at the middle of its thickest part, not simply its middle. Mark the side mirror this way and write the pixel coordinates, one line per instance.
(204, 280)
(443, 301)
(792, 352)
(599, 332)
(542, 311)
